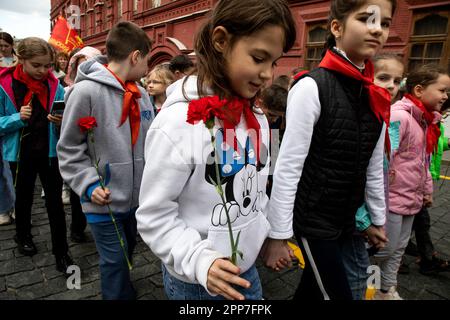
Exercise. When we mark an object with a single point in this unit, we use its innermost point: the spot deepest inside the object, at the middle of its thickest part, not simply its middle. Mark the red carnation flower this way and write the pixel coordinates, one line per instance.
(87, 123)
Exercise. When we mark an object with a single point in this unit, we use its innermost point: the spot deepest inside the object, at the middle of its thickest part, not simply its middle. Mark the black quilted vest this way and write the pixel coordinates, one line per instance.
(333, 179)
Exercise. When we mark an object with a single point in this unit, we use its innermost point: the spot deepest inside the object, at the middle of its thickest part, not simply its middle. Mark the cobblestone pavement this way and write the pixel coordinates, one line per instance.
(23, 277)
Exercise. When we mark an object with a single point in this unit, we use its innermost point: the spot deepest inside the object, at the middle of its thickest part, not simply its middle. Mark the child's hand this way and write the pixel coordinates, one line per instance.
(427, 200)
(221, 275)
(100, 196)
(377, 236)
(25, 112)
(276, 254)
(55, 119)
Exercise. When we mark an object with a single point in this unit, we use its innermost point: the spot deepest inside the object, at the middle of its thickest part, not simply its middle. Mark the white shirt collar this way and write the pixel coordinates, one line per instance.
(360, 68)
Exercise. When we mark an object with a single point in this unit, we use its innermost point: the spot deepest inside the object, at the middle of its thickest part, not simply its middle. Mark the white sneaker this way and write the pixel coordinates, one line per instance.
(65, 196)
(5, 219)
(392, 294)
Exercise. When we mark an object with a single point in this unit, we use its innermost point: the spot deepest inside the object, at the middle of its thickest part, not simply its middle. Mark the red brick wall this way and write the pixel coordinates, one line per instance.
(181, 19)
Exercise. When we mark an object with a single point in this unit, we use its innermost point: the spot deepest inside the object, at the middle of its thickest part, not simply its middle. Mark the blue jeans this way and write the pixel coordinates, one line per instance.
(115, 276)
(179, 290)
(356, 261)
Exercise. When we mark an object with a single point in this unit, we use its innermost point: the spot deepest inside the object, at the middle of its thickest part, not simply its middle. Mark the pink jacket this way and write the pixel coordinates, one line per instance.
(409, 177)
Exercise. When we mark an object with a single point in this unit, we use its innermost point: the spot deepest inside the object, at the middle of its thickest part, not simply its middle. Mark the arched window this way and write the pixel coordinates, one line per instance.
(316, 38)
(430, 40)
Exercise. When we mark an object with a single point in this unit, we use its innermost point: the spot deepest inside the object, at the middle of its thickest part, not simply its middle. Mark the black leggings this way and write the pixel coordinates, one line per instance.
(421, 226)
(78, 224)
(51, 180)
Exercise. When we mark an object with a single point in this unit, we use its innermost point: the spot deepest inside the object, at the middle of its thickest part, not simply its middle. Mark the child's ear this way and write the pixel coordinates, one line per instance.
(336, 28)
(135, 56)
(221, 39)
(418, 91)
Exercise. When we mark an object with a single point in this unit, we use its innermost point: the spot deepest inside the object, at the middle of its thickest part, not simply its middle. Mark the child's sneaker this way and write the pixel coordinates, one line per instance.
(392, 294)
(5, 219)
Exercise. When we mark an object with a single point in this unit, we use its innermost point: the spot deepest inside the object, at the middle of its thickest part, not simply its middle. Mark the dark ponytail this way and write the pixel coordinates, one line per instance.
(330, 41)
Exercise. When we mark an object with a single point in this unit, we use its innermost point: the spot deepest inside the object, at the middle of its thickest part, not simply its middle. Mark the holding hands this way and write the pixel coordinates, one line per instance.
(376, 236)
(277, 254)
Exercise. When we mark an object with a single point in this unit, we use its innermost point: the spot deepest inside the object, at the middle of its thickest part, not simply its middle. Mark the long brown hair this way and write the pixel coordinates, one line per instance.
(5, 36)
(240, 18)
(340, 10)
(57, 67)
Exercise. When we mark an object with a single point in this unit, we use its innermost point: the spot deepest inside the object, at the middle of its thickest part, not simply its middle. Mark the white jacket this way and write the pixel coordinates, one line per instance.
(181, 216)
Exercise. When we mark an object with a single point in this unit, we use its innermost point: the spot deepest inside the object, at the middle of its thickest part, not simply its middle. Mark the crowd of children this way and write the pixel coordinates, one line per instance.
(184, 157)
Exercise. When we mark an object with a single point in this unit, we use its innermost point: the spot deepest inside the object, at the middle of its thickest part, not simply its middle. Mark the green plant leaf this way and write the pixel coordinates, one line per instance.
(236, 243)
(212, 181)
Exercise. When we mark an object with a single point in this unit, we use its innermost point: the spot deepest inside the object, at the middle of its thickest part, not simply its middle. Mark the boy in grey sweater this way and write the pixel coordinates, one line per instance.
(105, 88)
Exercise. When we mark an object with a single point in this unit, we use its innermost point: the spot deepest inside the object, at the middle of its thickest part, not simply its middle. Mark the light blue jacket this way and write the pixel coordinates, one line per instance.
(10, 123)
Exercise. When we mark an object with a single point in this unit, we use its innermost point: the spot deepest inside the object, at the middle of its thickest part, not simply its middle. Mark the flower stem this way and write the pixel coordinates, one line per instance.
(221, 193)
(102, 185)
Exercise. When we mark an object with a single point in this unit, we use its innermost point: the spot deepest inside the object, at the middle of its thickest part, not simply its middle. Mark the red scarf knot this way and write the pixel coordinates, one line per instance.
(229, 111)
(433, 131)
(130, 107)
(35, 87)
(379, 98)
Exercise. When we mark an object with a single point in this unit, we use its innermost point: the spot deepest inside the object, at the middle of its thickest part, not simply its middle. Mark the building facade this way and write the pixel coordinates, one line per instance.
(420, 32)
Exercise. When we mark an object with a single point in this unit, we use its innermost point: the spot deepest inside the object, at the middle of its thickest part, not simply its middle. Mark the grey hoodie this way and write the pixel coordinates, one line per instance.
(97, 93)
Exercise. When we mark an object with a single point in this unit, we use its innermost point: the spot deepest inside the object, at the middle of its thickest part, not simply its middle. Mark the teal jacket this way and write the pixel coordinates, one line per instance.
(363, 220)
(10, 123)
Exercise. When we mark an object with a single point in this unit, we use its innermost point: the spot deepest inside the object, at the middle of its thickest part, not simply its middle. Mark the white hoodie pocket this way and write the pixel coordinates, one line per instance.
(253, 234)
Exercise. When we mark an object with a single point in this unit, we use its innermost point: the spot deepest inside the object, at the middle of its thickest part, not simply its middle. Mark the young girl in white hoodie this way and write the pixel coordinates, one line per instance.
(202, 187)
